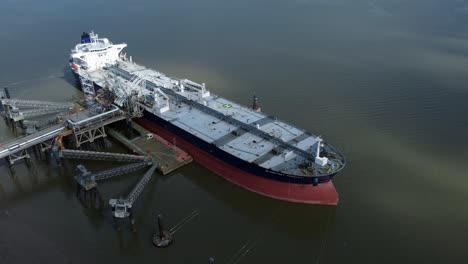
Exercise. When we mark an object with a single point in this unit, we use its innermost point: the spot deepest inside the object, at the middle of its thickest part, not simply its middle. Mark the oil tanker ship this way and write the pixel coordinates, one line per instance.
(242, 144)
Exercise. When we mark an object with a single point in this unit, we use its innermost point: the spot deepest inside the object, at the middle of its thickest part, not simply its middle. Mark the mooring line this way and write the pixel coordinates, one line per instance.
(247, 251)
(239, 252)
(252, 244)
(253, 241)
(184, 221)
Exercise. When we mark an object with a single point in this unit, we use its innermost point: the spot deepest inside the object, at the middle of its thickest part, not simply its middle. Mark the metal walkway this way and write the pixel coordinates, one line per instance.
(85, 125)
(138, 189)
(18, 109)
(122, 207)
(35, 104)
(19, 144)
(87, 180)
(95, 155)
(102, 119)
(38, 112)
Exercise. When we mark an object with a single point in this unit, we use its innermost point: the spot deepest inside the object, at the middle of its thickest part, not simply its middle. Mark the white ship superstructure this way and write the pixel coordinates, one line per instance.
(94, 53)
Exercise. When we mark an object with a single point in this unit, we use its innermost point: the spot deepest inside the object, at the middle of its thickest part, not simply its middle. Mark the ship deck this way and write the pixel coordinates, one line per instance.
(260, 139)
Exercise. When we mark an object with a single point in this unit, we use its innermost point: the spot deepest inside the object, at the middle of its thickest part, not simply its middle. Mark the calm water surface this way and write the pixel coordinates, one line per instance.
(385, 81)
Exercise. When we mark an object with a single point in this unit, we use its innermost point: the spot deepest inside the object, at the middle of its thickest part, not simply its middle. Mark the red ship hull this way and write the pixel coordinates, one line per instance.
(322, 194)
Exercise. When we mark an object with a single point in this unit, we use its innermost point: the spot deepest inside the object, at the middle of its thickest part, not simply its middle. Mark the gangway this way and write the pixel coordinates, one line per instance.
(35, 104)
(122, 207)
(96, 155)
(18, 109)
(87, 180)
(18, 115)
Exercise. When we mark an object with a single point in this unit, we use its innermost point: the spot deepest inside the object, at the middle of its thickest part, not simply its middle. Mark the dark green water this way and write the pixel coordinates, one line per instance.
(385, 81)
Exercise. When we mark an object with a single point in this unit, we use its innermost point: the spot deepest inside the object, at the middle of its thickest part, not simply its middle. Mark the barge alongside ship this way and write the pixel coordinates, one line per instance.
(242, 144)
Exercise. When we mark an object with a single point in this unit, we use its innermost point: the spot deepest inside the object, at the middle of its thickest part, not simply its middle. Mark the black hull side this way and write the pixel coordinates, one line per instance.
(232, 160)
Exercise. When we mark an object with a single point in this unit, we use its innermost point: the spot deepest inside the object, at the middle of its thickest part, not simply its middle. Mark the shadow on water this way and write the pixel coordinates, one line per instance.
(60, 177)
(2, 192)
(291, 219)
(96, 217)
(21, 194)
(53, 176)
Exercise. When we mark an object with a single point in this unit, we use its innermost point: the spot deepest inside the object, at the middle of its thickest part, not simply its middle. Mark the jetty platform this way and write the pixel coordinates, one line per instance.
(167, 154)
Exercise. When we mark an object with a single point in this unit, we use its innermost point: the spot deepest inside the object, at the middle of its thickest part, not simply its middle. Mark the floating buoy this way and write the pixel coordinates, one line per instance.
(164, 240)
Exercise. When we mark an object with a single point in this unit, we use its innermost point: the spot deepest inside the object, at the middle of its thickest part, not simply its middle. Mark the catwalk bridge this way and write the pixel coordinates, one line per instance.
(85, 125)
(14, 149)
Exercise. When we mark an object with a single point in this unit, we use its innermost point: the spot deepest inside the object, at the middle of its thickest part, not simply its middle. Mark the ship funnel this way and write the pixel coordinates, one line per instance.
(85, 38)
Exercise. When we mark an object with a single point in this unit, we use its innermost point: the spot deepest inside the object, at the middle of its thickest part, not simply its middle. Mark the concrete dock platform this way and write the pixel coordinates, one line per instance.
(168, 156)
